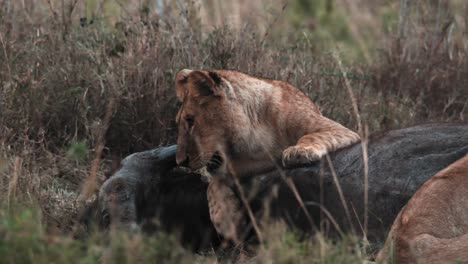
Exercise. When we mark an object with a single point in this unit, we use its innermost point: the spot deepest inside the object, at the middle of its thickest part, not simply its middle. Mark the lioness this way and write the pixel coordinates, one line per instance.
(433, 226)
(250, 123)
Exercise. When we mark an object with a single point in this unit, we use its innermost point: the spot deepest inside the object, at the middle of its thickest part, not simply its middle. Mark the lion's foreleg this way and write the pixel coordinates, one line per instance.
(313, 146)
(225, 209)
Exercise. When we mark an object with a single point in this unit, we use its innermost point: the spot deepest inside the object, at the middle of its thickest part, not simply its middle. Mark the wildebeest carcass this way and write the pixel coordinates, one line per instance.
(398, 162)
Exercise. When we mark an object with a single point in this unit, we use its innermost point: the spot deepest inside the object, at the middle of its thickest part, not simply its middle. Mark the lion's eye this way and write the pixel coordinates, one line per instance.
(190, 120)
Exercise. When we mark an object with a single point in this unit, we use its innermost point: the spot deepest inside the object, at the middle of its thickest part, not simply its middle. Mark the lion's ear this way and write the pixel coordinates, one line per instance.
(181, 83)
(198, 83)
(204, 84)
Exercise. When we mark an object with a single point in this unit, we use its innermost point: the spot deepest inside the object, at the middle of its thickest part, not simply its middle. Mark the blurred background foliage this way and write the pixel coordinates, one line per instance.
(358, 28)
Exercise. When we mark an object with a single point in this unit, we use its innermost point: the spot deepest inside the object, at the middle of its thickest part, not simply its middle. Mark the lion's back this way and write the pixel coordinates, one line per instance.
(290, 98)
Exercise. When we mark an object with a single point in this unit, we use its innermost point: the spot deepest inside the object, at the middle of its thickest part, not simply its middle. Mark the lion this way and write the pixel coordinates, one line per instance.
(433, 226)
(252, 125)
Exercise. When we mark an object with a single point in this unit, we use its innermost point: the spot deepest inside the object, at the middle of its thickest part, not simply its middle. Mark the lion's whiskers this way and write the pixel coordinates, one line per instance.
(206, 158)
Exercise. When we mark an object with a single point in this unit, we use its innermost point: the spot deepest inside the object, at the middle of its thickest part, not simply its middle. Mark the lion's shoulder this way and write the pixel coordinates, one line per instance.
(234, 75)
(289, 93)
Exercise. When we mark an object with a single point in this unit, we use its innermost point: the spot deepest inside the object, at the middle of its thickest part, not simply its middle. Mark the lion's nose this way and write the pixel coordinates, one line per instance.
(182, 159)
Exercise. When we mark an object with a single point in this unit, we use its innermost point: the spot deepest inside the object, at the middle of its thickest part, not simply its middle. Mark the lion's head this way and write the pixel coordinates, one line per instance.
(203, 120)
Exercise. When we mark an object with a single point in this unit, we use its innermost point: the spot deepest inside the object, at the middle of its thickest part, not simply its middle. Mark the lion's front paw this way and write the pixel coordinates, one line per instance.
(296, 155)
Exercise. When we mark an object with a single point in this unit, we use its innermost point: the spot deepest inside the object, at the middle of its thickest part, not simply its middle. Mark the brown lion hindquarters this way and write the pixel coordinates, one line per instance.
(432, 227)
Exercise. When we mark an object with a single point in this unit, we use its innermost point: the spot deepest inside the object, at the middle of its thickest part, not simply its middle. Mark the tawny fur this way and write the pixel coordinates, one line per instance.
(433, 226)
(224, 209)
(253, 124)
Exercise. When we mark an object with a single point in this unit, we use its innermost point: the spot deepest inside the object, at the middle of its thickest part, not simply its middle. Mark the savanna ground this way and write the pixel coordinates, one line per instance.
(84, 83)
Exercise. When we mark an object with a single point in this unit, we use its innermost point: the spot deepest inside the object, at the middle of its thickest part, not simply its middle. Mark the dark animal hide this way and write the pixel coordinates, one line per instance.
(399, 162)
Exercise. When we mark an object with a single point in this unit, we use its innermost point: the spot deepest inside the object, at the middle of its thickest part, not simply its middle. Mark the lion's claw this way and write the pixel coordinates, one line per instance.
(296, 155)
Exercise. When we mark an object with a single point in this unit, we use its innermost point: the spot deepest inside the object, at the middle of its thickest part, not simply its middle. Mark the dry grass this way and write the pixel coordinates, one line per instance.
(72, 94)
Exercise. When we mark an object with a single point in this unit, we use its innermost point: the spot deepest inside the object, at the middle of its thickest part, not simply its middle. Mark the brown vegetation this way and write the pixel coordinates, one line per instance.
(79, 89)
